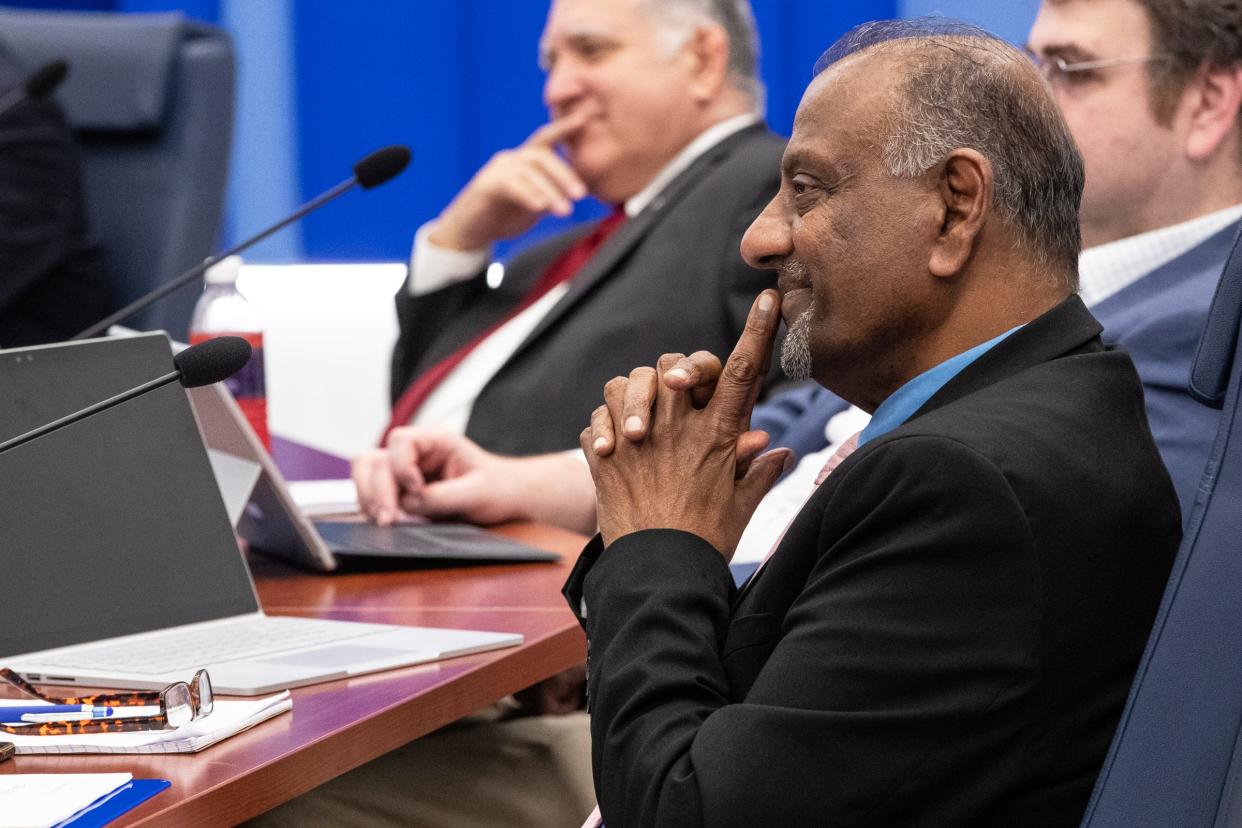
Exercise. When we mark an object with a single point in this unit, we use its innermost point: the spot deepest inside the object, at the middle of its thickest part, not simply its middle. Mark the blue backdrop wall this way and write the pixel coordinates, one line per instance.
(323, 82)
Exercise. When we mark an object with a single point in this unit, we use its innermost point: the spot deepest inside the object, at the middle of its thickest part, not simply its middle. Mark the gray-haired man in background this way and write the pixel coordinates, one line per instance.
(655, 107)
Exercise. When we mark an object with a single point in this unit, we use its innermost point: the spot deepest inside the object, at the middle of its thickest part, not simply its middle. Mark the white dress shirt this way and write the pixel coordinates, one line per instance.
(431, 268)
(1107, 268)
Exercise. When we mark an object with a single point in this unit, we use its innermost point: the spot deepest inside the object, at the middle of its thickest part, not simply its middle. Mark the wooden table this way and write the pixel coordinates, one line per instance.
(337, 726)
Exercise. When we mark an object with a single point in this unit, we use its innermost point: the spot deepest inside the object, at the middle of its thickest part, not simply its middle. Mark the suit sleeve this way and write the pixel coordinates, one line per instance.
(433, 325)
(420, 321)
(899, 665)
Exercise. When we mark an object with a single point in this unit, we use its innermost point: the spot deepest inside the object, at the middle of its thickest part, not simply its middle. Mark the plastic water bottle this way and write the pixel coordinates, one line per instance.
(221, 310)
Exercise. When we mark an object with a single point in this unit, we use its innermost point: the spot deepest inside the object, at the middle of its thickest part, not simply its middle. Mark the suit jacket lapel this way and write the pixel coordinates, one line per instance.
(604, 262)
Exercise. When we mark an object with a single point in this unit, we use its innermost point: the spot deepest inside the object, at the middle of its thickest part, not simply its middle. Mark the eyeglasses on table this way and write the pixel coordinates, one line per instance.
(180, 703)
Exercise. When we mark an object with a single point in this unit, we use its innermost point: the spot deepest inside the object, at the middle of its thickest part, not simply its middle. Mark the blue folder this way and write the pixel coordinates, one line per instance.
(110, 806)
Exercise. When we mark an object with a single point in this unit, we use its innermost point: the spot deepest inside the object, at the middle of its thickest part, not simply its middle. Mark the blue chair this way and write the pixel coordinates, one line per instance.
(1176, 760)
(150, 99)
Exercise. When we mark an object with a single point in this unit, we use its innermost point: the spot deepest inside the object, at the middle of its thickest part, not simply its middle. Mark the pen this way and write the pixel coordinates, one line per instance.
(53, 712)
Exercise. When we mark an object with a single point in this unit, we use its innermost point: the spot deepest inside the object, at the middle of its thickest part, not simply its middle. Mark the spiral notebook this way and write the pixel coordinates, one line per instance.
(227, 719)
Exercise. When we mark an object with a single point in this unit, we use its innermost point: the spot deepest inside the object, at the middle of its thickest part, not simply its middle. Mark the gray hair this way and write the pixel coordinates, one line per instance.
(965, 87)
(680, 17)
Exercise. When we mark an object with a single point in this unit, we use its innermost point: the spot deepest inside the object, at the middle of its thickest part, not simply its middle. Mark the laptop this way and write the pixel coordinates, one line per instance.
(273, 523)
(120, 566)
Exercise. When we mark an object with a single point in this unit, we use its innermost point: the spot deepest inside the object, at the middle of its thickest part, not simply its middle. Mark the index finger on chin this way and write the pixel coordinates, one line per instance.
(747, 366)
(553, 132)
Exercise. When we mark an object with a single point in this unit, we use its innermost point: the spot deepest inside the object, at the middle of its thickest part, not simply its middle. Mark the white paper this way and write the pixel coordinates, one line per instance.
(37, 800)
(227, 719)
(324, 497)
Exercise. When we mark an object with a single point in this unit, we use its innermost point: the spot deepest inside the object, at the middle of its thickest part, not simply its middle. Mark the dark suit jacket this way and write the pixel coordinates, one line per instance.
(671, 279)
(945, 636)
(52, 283)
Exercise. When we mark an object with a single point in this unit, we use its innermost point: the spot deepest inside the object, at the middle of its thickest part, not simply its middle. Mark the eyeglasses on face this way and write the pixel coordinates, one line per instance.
(1060, 71)
(180, 703)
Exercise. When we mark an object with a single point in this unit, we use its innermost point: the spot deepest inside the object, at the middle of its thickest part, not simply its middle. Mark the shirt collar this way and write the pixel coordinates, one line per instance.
(1107, 268)
(909, 398)
(706, 139)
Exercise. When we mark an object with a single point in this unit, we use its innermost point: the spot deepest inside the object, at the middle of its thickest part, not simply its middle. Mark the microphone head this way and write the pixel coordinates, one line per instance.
(381, 165)
(212, 361)
(46, 78)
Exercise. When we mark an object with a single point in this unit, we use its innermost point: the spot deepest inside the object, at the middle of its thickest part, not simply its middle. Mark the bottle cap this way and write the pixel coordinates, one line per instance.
(224, 272)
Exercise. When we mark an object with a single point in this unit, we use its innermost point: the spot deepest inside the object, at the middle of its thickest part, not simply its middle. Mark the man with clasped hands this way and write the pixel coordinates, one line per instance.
(946, 633)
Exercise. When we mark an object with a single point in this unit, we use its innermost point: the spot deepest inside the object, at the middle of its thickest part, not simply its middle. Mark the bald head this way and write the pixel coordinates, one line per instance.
(961, 87)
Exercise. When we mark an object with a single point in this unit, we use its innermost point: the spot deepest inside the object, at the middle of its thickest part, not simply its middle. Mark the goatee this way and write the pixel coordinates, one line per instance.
(796, 350)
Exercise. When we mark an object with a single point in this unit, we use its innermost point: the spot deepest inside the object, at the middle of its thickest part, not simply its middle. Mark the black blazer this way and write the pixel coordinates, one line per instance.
(52, 280)
(671, 279)
(945, 636)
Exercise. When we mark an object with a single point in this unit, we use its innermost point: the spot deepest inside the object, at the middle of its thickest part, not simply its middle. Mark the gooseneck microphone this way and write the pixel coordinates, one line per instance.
(202, 364)
(372, 171)
(210, 361)
(38, 84)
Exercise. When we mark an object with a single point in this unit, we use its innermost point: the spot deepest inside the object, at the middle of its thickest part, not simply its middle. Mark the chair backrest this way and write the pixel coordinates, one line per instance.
(1176, 759)
(150, 98)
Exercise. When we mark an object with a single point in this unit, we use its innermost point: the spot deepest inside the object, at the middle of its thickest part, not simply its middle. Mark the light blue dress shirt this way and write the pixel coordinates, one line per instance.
(909, 398)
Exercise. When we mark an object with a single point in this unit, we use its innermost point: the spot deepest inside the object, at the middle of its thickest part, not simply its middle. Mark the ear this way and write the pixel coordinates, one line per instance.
(1216, 98)
(964, 187)
(708, 51)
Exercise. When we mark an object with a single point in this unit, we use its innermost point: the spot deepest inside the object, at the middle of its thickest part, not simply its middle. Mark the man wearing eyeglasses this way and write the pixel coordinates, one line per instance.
(1151, 90)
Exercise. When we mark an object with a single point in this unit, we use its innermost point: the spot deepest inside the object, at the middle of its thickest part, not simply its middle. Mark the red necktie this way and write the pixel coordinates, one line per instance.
(563, 269)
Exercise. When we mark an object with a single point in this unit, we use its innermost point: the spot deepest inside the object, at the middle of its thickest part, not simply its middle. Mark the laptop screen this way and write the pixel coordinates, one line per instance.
(113, 525)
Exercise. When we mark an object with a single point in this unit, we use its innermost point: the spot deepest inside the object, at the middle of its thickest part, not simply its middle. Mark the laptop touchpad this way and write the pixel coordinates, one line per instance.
(336, 656)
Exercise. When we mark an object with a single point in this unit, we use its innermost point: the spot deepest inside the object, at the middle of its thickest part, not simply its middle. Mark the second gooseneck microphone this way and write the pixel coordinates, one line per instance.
(372, 171)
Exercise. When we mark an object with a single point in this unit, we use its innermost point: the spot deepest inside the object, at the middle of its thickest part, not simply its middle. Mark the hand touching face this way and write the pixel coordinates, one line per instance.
(684, 473)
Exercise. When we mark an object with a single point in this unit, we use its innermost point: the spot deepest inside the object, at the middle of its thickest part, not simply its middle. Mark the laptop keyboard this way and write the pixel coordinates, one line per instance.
(189, 650)
(443, 541)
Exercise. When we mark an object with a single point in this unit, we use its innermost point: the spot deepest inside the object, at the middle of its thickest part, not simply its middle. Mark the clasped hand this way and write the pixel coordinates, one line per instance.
(688, 460)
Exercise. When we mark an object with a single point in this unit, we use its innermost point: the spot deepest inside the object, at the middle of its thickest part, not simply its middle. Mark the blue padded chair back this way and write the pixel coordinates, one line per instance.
(1176, 759)
(150, 98)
